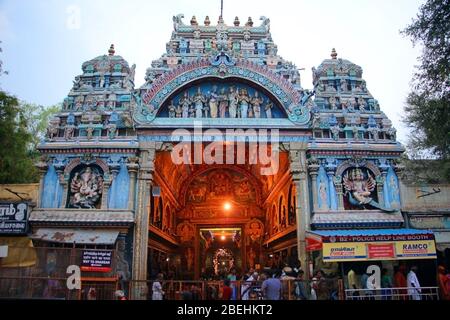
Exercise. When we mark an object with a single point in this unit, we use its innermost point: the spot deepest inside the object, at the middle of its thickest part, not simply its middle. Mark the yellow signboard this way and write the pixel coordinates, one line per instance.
(425, 249)
(366, 251)
(344, 251)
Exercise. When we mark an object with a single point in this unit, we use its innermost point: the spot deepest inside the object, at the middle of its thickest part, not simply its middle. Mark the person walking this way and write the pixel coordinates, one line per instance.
(301, 287)
(271, 288)
(227, 291)
(414, 289)
(386, 284)
(400, 282)
(157, 290)
(444, 283)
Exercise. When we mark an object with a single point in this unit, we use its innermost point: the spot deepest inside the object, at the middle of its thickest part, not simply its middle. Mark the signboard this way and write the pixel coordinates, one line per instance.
(13, 218)
(96, 261)
(351, 251)
(365, 251)
(416, 249)
(381, 251)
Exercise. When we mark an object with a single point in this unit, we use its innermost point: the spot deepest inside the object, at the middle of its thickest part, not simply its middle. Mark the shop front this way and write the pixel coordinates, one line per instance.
(340, 251)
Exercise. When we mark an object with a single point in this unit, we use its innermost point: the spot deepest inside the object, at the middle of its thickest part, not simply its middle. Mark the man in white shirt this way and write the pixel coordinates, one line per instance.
(414, 289)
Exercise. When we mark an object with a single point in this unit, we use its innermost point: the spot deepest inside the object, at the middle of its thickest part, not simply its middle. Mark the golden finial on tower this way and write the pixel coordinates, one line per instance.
(237, 22)
(194, 21)
(334, 54)
(207, 21)
(111, 50)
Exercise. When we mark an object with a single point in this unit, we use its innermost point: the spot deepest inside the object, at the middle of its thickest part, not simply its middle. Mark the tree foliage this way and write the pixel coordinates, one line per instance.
(428, 105)
(16, 161)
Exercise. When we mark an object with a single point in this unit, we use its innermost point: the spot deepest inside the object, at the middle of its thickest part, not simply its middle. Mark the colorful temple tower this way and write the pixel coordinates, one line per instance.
(126, 167)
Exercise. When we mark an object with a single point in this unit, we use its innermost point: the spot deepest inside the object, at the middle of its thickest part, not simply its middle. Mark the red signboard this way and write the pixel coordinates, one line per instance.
(313, 245)
(377, 251)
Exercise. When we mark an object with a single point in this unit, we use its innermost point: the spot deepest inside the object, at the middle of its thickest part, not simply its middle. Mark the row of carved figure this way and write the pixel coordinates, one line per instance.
(105, 81)
(352, 104)
(88, 123)
(344, 86)
(93, 102)
(236, 103)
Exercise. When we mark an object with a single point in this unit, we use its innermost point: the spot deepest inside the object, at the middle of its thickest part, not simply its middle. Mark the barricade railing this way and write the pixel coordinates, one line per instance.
(406, 293)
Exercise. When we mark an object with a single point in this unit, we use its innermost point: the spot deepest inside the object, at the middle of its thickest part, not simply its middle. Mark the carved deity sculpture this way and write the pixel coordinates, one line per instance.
(89, 131)
(199, 102)
(251, 258)
(86, 188)
(359, 187)
(112, 130)
(189, 258)
(333, 102)
(69, 132)
(79, 100)
(344, 87)
(223, 103)
(172, 110)
(233, 101)
(185, 103)
(53, 128)
(244, 100)
(129, 80)
(362, 104)
(178, 112)
(213, 101)
(268, 109)
(256, 105)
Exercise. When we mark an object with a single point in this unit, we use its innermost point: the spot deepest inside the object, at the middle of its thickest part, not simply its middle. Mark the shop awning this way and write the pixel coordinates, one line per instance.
(19, 252)
(77, 236)
(373, 244)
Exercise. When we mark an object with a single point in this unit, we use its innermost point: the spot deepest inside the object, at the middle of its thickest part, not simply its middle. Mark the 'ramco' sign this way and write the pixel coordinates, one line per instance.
(13, 218)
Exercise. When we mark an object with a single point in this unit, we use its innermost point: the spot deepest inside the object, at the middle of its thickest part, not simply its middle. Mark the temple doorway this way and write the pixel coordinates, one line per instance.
(220, 251)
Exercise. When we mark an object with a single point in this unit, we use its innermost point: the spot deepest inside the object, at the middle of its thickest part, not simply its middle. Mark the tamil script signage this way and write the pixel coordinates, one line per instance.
(13, 218)
(96, 261)
(366, 251)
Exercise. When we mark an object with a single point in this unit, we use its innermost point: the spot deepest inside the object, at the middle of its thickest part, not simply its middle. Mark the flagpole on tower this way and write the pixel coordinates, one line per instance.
(221, 8)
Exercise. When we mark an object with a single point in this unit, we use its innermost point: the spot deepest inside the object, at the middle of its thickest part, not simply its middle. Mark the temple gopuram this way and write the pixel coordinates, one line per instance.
(222, 160)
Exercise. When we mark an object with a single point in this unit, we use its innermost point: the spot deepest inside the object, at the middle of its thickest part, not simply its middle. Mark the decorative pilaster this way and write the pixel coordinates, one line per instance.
(106, 185)
(313, 168)
(339, 192)
(298, 167)
(133, 167)
(331, 170)
(140, 241)
(64, 181)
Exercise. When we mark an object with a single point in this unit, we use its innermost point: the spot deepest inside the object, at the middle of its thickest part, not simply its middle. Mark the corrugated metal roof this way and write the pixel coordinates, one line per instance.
(76, 236)
(369, 232)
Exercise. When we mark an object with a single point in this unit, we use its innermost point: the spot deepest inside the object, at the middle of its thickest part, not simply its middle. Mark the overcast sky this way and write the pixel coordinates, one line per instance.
(46, 41)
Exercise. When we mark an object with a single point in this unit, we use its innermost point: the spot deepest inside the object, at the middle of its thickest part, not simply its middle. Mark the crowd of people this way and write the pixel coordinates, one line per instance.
(253, 285)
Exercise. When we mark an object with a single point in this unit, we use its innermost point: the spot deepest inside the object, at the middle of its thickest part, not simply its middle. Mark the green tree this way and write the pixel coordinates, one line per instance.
(38, 117)
(427, 112)
(16, 157)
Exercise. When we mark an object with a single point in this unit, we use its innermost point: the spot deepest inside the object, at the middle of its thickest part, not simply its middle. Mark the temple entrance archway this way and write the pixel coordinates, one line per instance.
(220, 216)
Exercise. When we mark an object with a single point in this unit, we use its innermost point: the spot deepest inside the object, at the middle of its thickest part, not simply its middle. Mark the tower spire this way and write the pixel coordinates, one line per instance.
(221, 8)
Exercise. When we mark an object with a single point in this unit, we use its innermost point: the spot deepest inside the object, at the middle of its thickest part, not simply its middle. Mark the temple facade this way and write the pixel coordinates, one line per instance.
(220, 160)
